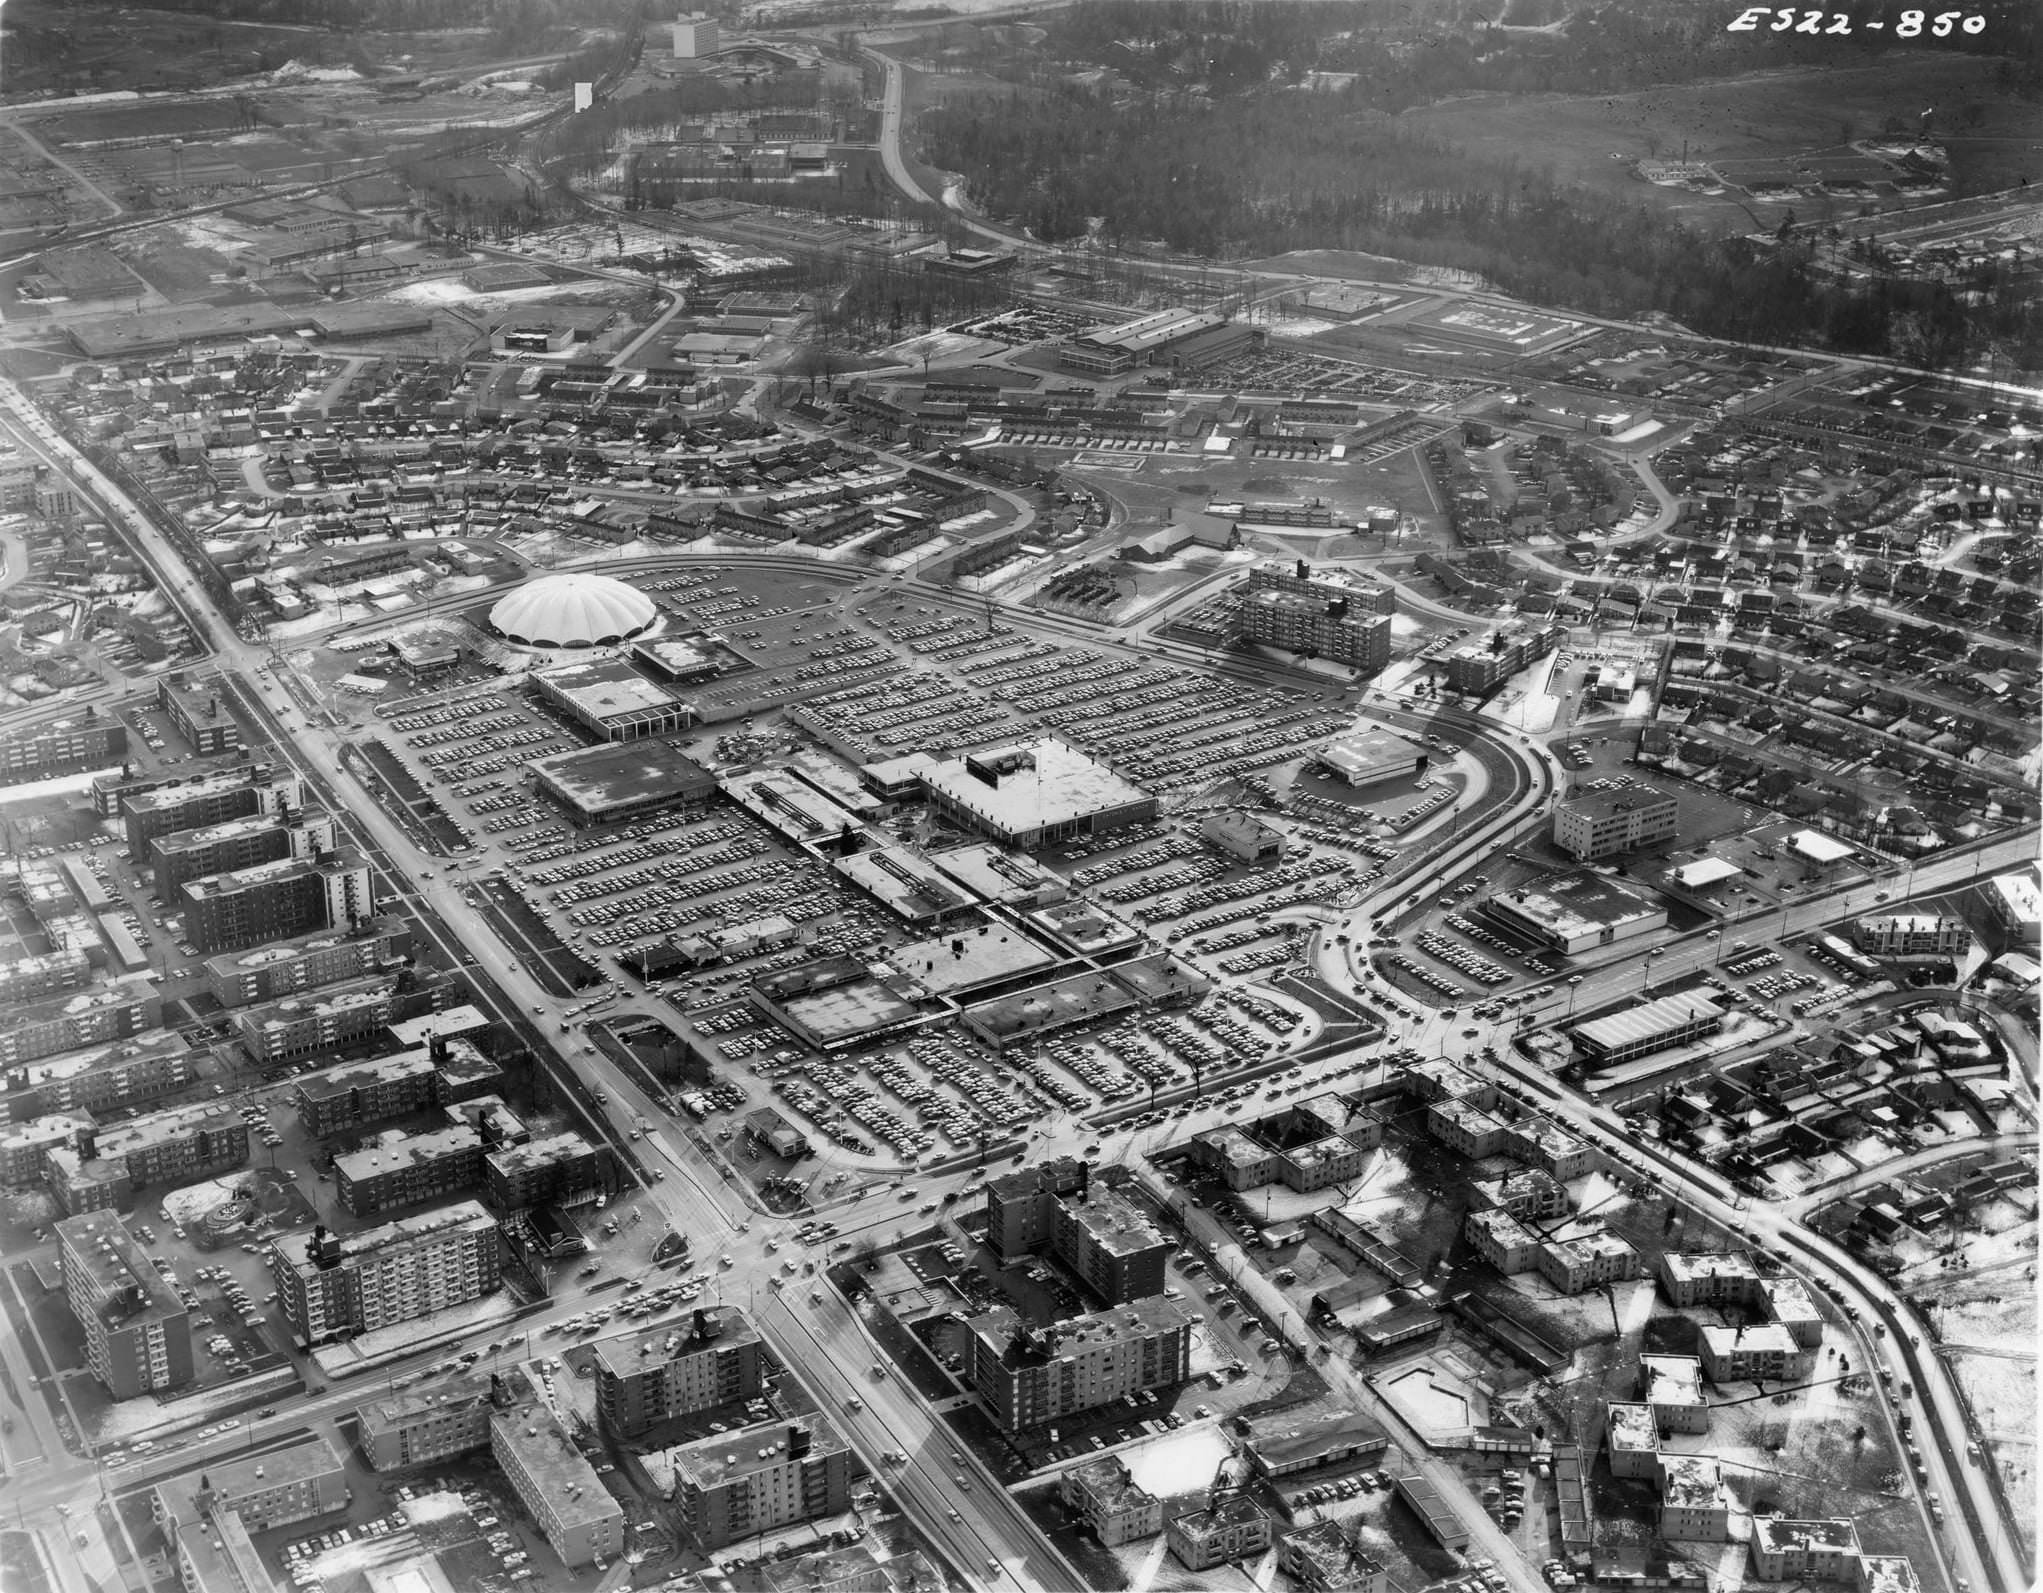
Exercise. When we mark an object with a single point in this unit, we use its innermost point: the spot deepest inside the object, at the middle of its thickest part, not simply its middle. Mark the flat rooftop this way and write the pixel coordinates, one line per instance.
(1690, 1482)
(1152, 1316)
(396, 1410)
(542, 1151)
(232, 1480)
(1369, 747)
(623, 772)
(995, 874)
(1115, 1224)
(170, 796)
(1578, 903)
(1818, 847)
(843, 1012)
(1632, 1427)
(904, 882)
(969, 959)
(629, 1354)
(127, 1285)
(214, 834)
(1671, 1379)
(721, 1458)
(407, 1150)
(450, 1023)
(1778, 1535)
(1072, 999)
(1032, 785)
(1084, 926)
(1691, 1267)
(1233, 1145)
(175, 1122)
(553, 1462)
(1594, 805)
(241, 879)
(1149, 331)
(91, 1059)
(324, 1003)
(793, 807)
(463, 1217)
(606, 688)
(1287, 1440)
(351, 1076)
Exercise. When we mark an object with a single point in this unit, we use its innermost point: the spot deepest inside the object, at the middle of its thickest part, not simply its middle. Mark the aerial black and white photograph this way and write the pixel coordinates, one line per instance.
(963, 796)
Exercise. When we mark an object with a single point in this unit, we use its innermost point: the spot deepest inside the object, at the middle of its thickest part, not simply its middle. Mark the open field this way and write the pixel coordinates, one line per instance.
(1761, 117)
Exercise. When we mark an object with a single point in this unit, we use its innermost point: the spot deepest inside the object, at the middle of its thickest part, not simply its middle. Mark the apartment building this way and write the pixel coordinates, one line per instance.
(354, 1095)
(233, 845)
(1765, 1350)
(1103, 1493)
(266, 973)
(25, 1145)
(1784, 1550)
(1609, 823)
(1029, 1376)
(560, 1169)
(731, 1486)
(195, 708)
(1227, 1530)
(1672, 1386)
(66, 746)
(207, 1513)
(409, 1170)
(450, 1418)
(31, 978)
(138, 1337)
(1321, 1558)
(644, 1378)
(98, 1079)
(1633, 1439)
(1017, 1210)
(76, 1019)
(1695, 1506)
(276, 901)
(1912, 935)
(179, 1145)
(1109, 1244)
(555, 1483)
(238, 792)
(334, 1287)
(1324, 619)
(1467, 1128)
(1485, 665)
(319, 1023)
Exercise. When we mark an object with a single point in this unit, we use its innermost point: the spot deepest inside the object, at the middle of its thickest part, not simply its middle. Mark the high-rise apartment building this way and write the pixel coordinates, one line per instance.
(643, 1378)
(335, 1287)
(275, 901)
(1028, 1376)
(138, 1337)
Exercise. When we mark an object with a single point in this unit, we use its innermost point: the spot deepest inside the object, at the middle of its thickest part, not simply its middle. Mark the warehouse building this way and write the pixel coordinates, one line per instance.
(1111, 350)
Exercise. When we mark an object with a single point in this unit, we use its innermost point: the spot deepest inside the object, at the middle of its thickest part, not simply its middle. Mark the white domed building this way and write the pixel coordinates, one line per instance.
(570, 609)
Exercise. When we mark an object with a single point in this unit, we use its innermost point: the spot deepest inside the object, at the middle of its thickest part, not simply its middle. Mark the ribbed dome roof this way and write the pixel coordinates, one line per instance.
(573, 610)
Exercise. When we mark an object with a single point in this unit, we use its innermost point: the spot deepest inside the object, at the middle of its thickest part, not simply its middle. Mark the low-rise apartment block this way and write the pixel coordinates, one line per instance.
(555, 1483)
(1103, 1493)
(1323, 1559)
(1229, 1529)
(1695, 1506)
(266, 973)
(76, 1019)
(98, 1079)
(1784, 1550)
(439, 1422)
(319, 1023)
(1672, 1385)
(1764, 1350)
(1633, 1438)
(207, 1512)
(1912, 935)
(560, 1169)
(234, 844)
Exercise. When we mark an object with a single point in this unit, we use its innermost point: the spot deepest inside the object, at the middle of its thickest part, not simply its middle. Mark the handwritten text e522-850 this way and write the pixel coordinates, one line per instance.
(1907, 25)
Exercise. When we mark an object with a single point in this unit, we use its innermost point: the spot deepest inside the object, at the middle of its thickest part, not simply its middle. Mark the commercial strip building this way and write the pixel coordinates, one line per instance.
(622, 781)
(334, 1287)
(611, 700)
(1029, 1376)
(138, 1337)
(554, 1481)
(1243, 836)
(1031, 793)
(731, 1486)
(644, 1378)
(1576, 912)
(1607, 823)
(1371, 753)
(1656, 1026)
